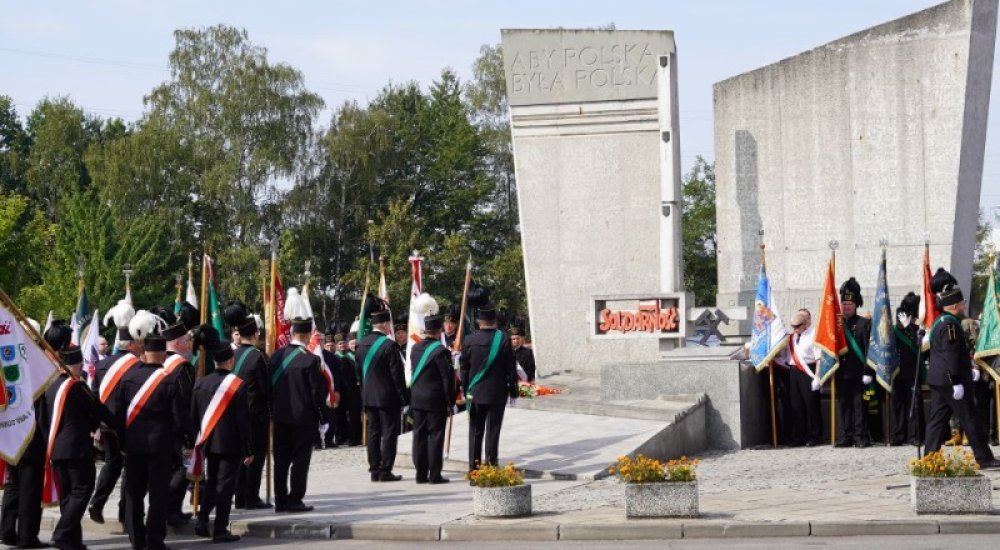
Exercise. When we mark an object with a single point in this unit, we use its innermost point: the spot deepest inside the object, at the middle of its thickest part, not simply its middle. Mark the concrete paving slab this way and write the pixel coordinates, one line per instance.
(892, 527)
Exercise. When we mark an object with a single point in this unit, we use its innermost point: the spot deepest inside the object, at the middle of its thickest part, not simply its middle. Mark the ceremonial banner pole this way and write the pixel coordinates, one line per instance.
(202, 353)
(833, 380)
(38, 339)
(774, 414)
(456, 347)
(272, 342)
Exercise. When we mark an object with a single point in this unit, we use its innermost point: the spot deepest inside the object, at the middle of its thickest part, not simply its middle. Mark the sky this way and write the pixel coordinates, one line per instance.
(107, 54)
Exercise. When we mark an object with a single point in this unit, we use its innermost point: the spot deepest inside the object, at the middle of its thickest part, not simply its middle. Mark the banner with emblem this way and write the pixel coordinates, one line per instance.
(830, 339)
(882, 342)
(988, 342)
(769, 335)
(928, 302)
(25, 373)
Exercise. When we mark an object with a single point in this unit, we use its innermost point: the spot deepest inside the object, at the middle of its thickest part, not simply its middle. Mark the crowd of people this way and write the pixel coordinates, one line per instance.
(175, 409)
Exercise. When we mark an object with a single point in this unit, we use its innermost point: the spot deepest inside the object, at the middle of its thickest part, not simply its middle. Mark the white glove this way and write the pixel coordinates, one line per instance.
(958, 392)
(904, 319)
(406, 409)
(513, 401)
(866, 379)
(815, 384)
(976, 375)
(323, 428)
(453, 410)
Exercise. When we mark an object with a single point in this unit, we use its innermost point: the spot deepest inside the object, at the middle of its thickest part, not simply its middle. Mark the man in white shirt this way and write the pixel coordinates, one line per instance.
(800, 356)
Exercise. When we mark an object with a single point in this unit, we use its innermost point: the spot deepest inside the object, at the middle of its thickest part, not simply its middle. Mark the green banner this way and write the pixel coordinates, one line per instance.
(988, 343)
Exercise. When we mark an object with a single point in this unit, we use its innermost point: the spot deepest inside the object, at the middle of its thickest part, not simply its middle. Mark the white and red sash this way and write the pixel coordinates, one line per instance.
(796, 359)
(173, 362)
(223, 396)
(50, 487)
(115, 374)
(142, 397)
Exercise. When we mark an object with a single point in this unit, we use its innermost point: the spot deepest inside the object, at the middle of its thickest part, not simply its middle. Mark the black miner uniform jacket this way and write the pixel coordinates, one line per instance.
(253, 372)
(162, 421)
(949, 358)
(299, 394)
(434, 389)
(907, 356)
(851, 366)
(385, 385)
(81, 415)
(526, 358)
(500, 381)
(101, 370)
(231, 435)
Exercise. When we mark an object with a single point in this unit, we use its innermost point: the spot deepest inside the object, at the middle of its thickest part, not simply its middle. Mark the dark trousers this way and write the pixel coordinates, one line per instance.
(383, 432)
(905, 430)
(807, 421)
(943, 405)
(985, 407)
(248, 479)
(178, 483)
(326, 440)
(852, 422)
(484, 423)
(292, 454)
(108, 477)
(428, 443)
(219, 488)
(348, 417)
(147, 474)
(783, 406)
(21, 517)
(76, 484)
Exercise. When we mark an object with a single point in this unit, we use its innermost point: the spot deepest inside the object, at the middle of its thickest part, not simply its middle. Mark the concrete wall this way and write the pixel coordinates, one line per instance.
(584, 122)
(877, 135)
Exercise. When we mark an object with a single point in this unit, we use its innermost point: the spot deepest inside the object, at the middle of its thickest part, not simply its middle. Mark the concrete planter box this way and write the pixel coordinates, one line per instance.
(951, 495)
(502, 502)
(661, 500)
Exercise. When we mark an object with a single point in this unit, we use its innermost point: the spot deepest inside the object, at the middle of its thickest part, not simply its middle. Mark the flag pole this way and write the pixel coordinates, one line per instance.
(457, 347)
(833, 379)
(272, 342)
(774, 413)
(202, 353)
(33, 334)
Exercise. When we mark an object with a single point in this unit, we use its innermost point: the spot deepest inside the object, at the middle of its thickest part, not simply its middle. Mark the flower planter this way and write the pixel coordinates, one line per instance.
(665, 499)
(502, 502)
(951, 495)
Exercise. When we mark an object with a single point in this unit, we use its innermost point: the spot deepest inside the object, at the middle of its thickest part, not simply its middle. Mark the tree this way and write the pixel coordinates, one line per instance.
(55, 163)
(981, 264)
(14, 148)
(24, 240)
(698, 232)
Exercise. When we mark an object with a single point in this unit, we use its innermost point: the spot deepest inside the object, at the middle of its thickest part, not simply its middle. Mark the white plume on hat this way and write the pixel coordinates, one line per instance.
(145, 323)
(295, 306)
(122, 313)
(354, 326)
(258, 320)
(425, 304)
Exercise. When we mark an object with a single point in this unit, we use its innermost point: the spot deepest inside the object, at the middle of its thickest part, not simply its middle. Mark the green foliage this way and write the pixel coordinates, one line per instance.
(14, 148)
(980, 265)
(21, 235)
(699, 234)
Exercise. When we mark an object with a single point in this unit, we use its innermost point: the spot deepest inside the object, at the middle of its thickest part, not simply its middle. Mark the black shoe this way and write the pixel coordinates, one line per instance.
(421, 482)
(259, 505)
(225, 537)
(991, 464)
(96, 515)
(845, 443)
(376, 477)
(811, 443)
(177, 520)
(896, 444)
(863, 444)
(8, 542)
(294, 508)
(389, 476)
(439, 481)
(35, 544)
(201, 529)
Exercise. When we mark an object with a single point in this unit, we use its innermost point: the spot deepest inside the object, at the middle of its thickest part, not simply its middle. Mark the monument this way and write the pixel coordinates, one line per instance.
(596, 155)
(877, 135)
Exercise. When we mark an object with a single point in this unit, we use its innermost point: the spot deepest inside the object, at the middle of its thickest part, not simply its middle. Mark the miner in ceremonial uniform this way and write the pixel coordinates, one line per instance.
(348, 414)
(432, 387)
(383, 392)
(907, 430)
(950, 374)
(298, 392)
(489, 377)
(400, 326)
(150, 415)
(108, 374)
(854, 373)
(451, 318)
(179, 368)
(74, 413)
(220, 409)
(524, 356)
(251, 366)
(326, 436)
(800, 356)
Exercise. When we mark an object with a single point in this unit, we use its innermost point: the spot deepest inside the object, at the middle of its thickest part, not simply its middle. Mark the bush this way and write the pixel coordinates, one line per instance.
(938, 464)
(643, 469)
(494, 476)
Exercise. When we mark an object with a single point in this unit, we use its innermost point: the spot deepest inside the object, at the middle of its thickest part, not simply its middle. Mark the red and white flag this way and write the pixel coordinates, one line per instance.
(415, 328)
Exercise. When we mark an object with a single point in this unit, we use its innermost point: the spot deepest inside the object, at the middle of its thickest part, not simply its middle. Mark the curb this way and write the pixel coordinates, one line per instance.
(542, 530)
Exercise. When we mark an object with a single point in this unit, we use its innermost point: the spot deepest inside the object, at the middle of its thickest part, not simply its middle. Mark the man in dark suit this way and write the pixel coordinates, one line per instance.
(854, 373)
(79, 413)
(221, 395)
(383, 390)
(298, 393)
(489, 378)
(432, 388)
(950, 374)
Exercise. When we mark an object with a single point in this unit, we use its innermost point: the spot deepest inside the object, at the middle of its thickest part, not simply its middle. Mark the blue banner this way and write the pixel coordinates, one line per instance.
(882, 343)
(769, 335)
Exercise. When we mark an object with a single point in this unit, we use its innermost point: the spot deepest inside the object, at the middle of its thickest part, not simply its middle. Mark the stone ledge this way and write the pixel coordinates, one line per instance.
(888, 527)
(637, 530)
(500, 531)
(388, 531)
